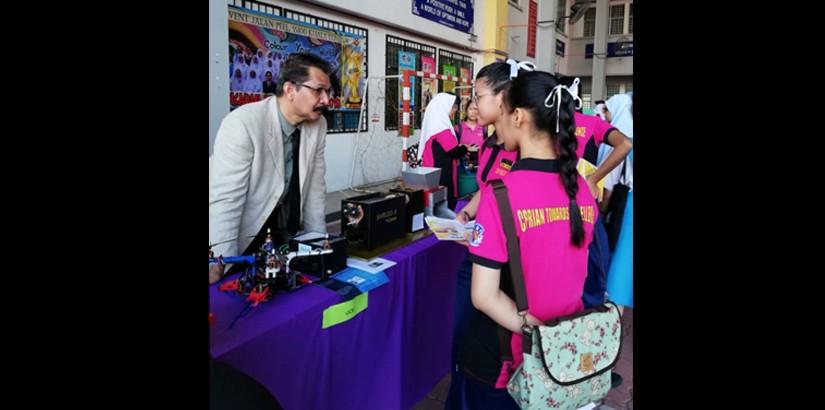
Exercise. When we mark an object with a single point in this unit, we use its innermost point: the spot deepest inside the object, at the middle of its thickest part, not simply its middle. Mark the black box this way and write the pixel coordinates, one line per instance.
(372, 220)
(415, 207)
(320, 266)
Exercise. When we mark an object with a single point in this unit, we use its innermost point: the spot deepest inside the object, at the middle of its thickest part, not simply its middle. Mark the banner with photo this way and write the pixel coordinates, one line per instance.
(448, 70)
(259, 44)
(428, 85)
(466, 93)
(406, 61)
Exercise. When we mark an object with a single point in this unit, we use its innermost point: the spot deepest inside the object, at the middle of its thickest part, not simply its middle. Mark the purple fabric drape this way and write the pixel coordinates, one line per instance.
(387, 357)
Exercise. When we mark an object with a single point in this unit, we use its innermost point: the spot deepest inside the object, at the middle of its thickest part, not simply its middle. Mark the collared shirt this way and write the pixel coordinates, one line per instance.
(287, 130)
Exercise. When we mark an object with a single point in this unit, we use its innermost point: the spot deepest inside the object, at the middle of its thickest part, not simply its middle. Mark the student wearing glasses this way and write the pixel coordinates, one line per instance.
(267, 167)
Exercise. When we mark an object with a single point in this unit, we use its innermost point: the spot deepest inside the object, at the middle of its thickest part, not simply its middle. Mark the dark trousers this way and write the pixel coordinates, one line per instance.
(598, 264)
(463, 309)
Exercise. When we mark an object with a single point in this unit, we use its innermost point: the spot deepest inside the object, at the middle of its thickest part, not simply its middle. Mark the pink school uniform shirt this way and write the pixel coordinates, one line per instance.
(502, 161)
(591, 131)
(554, 269)
(448, 142)
(469, 136)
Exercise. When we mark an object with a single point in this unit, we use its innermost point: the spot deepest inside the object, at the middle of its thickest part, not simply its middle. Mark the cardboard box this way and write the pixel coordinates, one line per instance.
(414, 207)
(369, 221)
(320, 266)
(421, 177)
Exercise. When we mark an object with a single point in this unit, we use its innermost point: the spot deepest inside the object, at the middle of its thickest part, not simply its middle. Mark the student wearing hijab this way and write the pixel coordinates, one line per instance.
(620, 274)
(259, 62)
(253, 83)
(239, 63)
(237, 82)
(439, 145)
(599, 110)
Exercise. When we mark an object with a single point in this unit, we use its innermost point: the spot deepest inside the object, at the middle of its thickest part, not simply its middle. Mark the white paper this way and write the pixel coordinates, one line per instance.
(310, 235)
(372, 265)
(418, 222)
(450, 229)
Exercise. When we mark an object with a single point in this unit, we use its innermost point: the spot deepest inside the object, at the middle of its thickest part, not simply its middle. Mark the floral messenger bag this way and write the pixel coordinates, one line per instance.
(567, 360)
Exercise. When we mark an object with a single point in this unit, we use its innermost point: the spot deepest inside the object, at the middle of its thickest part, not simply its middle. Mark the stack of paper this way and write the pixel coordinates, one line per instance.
(450, 229)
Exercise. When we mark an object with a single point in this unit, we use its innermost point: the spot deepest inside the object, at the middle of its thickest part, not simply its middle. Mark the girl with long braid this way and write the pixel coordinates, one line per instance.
(491, 86)
(554, 213)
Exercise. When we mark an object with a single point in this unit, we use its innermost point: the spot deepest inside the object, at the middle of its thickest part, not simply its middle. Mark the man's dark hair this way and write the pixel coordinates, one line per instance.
(296, 69)
(598, 102)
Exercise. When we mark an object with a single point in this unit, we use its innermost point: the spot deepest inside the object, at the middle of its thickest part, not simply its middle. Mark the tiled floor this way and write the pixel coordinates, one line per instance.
(619, 398)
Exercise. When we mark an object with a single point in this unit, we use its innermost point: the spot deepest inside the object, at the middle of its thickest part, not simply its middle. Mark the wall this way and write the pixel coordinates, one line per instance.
(399, 14)
(577, 65)
(515, 38)
(379, 149)
(218, 67)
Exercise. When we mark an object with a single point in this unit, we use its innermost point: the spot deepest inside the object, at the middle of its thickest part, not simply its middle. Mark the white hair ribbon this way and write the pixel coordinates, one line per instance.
(514, 67)
(556, 91)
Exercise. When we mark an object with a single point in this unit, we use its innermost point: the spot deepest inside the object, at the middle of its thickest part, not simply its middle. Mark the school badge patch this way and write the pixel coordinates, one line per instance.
(477, 235)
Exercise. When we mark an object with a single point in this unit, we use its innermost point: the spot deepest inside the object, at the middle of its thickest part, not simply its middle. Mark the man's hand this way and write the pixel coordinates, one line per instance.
(215, 273)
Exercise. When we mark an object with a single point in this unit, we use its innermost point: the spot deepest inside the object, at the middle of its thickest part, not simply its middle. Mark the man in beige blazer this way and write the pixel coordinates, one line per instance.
(251, 167)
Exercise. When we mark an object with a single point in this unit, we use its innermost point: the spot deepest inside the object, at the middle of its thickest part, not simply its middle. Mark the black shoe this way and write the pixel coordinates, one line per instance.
(615, 380)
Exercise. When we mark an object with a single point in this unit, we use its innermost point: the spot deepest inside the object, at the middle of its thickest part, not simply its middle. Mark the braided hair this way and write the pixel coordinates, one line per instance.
(552, 110)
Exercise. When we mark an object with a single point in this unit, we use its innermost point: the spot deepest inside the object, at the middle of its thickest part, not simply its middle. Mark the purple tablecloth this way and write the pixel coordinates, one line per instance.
(387, 357)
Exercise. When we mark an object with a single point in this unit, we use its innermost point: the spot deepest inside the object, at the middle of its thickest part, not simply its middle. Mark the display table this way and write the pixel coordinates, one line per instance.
(387, 357)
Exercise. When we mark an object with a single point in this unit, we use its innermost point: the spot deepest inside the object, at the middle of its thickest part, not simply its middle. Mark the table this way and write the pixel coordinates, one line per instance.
(387, 357)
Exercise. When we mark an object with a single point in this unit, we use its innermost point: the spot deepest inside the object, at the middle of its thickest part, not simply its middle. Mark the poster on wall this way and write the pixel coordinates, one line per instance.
(259, 44)
(428, 85)
(449, 86)
(406, 61)
(465, 93)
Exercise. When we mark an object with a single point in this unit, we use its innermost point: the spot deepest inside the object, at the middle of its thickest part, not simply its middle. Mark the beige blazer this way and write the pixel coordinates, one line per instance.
(246, 175)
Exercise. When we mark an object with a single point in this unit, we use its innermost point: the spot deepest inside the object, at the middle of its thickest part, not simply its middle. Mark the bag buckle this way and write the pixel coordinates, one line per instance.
(525, 328)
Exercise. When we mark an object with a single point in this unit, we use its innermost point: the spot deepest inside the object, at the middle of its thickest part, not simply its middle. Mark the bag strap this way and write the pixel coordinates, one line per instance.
(513, 251)
(514, 259)
(623, 179)
(516, 270)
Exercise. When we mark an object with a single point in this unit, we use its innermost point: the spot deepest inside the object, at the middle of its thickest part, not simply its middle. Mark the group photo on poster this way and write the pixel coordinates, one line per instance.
(259, 44)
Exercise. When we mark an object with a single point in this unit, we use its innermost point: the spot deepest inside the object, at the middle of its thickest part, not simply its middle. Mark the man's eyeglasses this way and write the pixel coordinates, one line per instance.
(316, 90)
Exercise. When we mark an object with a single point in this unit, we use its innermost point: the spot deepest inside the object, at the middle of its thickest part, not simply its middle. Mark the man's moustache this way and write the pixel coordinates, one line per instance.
(320, 108)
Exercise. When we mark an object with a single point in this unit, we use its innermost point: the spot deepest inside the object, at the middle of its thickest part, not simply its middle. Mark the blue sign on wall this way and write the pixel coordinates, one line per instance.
(612, 50)
(455, 14)
(560, 47)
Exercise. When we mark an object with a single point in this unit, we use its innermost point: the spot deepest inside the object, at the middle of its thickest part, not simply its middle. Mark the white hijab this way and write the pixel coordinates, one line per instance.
(236, 84)
(599, 111)
(240, 63)
(253, 85)
(620, 117)
(436, 119)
